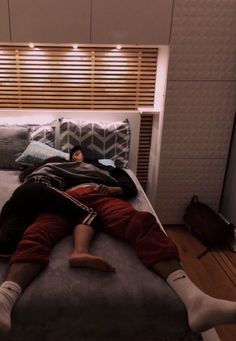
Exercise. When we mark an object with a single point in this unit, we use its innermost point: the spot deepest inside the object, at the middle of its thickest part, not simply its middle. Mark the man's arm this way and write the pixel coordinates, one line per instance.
(110, 191)
(124, 182)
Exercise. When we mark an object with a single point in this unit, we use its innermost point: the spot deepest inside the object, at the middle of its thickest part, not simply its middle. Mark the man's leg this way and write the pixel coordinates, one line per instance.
(12, 230)
(160, 254)
(204, 311)
(30, 257)
(80, 257)
(23, 273)
(19, 275)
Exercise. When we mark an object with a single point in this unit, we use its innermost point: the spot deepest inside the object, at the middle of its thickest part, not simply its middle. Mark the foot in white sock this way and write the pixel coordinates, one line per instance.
(9, 292)
(204, 312)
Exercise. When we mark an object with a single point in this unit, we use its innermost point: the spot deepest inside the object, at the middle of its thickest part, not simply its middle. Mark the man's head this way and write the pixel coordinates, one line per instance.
(80, 153)
(76, 154)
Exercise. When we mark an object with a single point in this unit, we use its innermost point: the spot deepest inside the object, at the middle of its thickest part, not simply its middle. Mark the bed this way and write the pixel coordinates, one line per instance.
(68, 304)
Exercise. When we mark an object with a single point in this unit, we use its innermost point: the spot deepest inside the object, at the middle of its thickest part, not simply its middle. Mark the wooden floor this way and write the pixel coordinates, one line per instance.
(214, 273)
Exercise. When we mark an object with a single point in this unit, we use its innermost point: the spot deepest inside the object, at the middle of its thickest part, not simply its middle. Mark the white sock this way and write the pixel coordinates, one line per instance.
(9, 293)
(204, 311)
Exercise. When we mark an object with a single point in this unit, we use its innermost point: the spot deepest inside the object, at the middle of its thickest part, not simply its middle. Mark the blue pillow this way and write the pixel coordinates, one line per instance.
(36, 152)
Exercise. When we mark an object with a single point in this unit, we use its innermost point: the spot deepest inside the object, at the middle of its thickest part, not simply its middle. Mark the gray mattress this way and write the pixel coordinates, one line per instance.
(68, 304)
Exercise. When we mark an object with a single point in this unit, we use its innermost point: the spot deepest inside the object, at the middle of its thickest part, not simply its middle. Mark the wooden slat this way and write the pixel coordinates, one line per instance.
(87, 78)
(145, 136)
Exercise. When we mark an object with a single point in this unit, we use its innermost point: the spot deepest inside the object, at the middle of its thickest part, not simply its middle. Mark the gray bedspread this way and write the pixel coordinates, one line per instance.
(68, 304)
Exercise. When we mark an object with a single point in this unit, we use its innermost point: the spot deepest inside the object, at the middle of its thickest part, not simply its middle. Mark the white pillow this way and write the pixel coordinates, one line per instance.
(107, 162)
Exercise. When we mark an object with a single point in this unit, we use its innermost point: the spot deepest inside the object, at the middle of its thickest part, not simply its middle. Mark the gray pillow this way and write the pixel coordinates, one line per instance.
(13, 141)
(110, 140)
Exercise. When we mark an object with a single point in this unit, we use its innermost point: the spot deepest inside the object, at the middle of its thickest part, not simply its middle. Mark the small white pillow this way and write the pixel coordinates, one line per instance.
(37, 151)
(107, 162)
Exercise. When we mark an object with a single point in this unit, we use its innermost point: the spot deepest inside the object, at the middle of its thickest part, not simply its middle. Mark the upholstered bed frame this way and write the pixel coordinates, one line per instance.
(65, 304)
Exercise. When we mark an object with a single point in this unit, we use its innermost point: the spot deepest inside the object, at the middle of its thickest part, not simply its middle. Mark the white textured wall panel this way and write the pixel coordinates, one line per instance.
(200, 106)
(198, 119)
(203, 40)
(180, 179)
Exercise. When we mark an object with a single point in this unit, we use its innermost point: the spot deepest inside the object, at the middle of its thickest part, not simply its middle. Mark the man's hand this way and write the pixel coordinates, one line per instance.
(109, 191)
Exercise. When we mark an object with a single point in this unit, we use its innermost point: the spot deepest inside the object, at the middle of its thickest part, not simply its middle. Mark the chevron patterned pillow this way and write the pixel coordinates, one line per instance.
(43, 133)
(110, 140)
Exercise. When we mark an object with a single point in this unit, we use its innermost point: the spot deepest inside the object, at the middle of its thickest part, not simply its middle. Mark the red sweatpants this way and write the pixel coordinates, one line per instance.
(117, 217)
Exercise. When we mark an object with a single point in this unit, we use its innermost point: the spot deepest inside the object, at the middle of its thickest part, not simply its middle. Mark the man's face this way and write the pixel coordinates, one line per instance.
(78, 156)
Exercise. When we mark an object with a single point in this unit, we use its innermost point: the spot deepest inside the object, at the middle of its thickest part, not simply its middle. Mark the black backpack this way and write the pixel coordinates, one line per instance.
(206, 224)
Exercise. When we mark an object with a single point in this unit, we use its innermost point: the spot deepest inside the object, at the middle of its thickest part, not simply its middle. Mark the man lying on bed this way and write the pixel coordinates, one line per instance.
(115, 216)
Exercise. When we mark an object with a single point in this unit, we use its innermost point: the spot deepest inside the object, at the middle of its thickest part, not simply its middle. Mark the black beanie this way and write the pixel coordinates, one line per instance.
(73, 150)
(89, 155)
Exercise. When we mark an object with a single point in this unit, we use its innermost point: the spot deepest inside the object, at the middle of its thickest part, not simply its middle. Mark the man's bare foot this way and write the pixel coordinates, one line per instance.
(84, 260)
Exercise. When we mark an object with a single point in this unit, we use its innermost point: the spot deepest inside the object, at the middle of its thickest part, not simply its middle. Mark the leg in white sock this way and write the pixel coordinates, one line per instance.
(18, 277)
(204, 311)
(9, 293)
